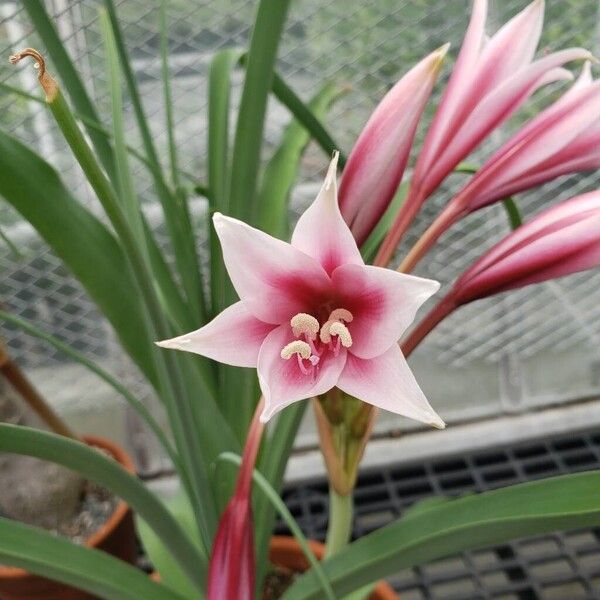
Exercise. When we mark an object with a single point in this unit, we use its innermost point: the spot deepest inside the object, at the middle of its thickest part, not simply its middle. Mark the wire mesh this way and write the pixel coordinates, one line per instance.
(364, 47)
(549, 567)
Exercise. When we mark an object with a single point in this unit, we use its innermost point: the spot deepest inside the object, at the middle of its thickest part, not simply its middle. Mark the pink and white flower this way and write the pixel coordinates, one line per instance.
(562, 139)
(313, 316)
(490, 81)
(377, 161)
(561, 240)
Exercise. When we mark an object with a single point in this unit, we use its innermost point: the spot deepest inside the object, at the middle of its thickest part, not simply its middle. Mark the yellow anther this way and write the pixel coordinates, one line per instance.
(324, 334)
(342, 332)
(296, 347)
(341, 314)
(305, 323)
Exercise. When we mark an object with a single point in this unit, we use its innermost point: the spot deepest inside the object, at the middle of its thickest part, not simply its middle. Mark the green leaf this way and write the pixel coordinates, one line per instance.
(305, 115)
(260, 61)
(512, 211)
(279, 505)
(219, 92)
(565, 502)
(277, 447)
(126, 192)
(371, 245)
(167, 97)
(161, 558)
(86, 246)
(97, 467)
(175, 207)
(95, 571)
(282, 169)
(88, 114)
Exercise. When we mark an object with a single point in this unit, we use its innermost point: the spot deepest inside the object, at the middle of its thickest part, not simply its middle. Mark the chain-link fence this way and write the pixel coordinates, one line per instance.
(531, 347)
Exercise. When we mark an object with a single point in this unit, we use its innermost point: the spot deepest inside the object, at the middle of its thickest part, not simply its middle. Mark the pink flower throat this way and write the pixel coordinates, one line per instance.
(313, 338)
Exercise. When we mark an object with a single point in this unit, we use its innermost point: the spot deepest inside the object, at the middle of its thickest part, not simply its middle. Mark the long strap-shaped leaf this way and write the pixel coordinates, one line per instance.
(305, 115)
(260, 62)
(282, 169)
(78, 238)
(88, 114)
(175, 208)
(272, 462)
(219, 92)
(178, 311)
(96, 572)
(95, 466)
(565, 502)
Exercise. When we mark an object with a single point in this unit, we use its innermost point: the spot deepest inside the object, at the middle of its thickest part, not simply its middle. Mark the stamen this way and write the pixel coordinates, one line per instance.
(341, 314)
(325, 334)
(302, 349)
(306, 324)
(342, 332)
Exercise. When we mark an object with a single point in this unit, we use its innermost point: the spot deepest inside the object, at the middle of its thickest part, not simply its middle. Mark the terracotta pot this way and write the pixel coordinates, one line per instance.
(116, 536)
(285, 552)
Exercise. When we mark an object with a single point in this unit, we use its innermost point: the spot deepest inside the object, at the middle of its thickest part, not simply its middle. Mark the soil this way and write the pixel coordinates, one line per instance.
(96, 506)
(44, 494)
(277, 582)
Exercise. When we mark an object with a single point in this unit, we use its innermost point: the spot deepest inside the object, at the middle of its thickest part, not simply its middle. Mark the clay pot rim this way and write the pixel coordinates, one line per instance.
(110, 525)
(288, 544)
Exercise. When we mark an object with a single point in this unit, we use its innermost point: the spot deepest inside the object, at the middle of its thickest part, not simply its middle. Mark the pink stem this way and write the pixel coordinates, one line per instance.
(443, 221)
(251, 451)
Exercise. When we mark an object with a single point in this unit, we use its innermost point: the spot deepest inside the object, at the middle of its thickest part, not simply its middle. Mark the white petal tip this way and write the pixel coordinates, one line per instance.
(332, 170)
(174, 344)
(442, 50)
(438, 423)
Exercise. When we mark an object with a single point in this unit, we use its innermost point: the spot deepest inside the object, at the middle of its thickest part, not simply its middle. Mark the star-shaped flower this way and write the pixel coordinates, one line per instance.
(313, 316)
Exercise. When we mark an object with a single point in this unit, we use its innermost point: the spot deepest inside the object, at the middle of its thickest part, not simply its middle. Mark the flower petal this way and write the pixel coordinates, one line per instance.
(233, 337)
(387, 382)
(511, 48)
(459, 86)
(273, 279)
(495, 108)
(321, 231)
(383, 303)
(282, 382)
(559, 241)
(378, 159)
(538, 141)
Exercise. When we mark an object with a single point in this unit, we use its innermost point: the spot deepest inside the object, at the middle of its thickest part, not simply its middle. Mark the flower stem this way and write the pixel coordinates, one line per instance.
(341, 514)
(443, 221)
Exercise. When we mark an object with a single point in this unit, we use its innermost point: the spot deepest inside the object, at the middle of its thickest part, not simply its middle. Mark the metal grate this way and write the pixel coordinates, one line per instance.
(550, 567)
(366, 47)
